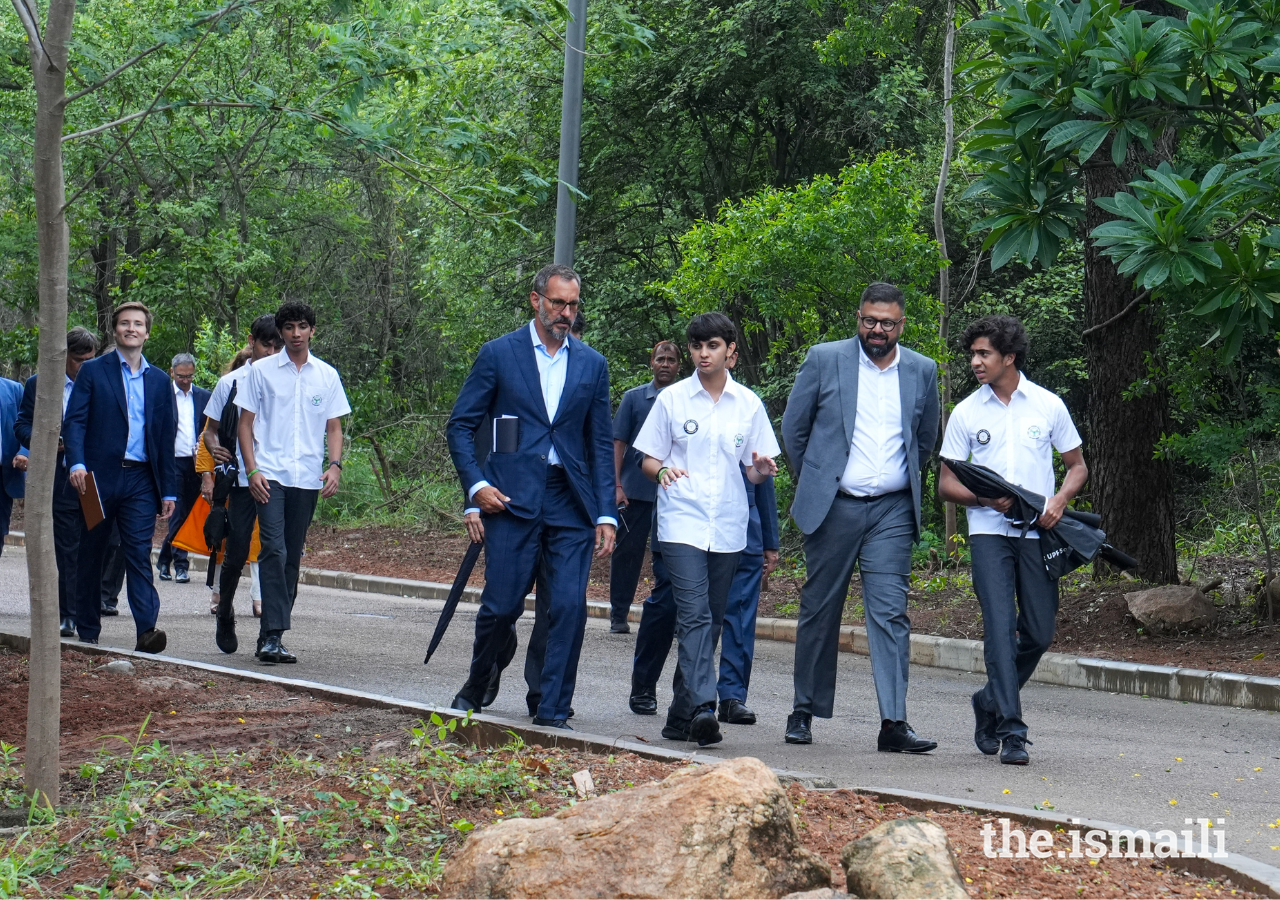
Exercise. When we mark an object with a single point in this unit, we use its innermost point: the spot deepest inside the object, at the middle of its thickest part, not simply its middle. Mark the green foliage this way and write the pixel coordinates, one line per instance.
(214, 349)
(789, 265)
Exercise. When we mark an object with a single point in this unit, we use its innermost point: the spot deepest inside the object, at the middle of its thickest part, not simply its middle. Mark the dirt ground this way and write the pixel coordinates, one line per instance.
(321, 778)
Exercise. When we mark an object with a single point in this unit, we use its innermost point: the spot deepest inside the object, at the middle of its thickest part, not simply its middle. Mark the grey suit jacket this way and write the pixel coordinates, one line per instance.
(817, 428)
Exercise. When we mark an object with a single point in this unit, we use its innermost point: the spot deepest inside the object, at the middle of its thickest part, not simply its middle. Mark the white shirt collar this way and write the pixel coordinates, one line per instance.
(284, 358)
(181, 393)
(987, 393)
(695, 385)
(866, 360)
(125, 363)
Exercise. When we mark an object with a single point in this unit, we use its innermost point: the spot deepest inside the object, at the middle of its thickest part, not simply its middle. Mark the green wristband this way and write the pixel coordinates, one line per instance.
(660, 471)
(254, 472)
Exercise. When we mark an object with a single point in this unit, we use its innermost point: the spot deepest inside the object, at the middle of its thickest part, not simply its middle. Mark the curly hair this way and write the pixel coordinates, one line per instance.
(1006, 334)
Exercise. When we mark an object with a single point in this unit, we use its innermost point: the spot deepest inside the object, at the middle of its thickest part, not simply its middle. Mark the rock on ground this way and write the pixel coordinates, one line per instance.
(725, 830)
(826, 893)
(1173, 607)
(903, 858)
(119, 667)
(166, 683)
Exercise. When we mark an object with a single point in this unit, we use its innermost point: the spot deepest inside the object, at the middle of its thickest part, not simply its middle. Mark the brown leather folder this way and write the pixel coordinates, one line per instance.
(91, 502)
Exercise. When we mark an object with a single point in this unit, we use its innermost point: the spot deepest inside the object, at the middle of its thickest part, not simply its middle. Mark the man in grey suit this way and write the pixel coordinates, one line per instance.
(860, 424)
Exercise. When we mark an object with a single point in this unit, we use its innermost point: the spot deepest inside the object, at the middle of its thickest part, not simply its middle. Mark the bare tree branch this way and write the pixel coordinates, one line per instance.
(1133, 304)
(31, 25)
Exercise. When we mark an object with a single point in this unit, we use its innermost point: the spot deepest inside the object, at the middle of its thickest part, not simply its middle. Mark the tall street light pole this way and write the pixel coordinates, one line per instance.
(570, 130)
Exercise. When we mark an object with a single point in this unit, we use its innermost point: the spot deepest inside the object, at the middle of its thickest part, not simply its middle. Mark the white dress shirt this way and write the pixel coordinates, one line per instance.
(66, 392)
(218, 401)
(184, 444)
(552, 372)
(1016, 441)
(291, 408)
(687, 430)
(877, 455)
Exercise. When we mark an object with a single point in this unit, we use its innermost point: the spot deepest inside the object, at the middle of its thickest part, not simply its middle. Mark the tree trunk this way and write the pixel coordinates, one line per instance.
(940, 234)
(1131, 488)
(45, 690)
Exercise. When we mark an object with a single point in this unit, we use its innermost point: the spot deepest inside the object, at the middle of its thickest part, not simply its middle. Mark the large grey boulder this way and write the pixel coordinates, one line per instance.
(903, 858)
(725, 830)
(1171, 608)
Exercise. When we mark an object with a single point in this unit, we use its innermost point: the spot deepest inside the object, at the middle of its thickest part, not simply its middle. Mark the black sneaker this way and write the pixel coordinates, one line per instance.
(1014, 752)
(704, 728)
(984, 730)
(676, 729)
(799, 728)
(225, 635)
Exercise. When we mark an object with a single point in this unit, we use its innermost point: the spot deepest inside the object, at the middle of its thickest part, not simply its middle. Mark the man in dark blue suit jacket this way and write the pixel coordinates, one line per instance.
(82, 345)
(550, 498)
(126, 405)
(12, 478)
(189, 403)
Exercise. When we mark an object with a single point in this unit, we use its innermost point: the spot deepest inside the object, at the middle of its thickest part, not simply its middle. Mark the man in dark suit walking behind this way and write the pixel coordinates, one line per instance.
(82, 345)
(120, 426)
(860, 424)
(189, 402)
(551, 498)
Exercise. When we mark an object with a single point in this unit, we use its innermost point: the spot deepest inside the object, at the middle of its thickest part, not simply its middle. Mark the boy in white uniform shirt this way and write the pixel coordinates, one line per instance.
(697, 433)
(290, 405)
(1011, 426)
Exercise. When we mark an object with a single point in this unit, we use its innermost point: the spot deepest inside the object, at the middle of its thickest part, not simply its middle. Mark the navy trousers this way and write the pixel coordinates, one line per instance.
(628, 557)
(133, 510)
(657, 629)
(738, 634)
(563, 538)
(188, 491)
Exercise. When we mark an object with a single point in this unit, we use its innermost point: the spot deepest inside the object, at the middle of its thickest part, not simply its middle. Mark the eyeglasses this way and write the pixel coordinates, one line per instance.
(561, 305)
(888, 325)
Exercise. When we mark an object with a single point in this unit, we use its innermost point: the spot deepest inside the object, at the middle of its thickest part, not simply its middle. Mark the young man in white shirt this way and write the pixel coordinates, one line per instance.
(242, 509)
(1011, 426)
(698, 432)
(290, 405)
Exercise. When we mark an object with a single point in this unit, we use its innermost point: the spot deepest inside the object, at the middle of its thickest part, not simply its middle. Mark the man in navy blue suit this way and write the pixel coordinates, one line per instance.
(551, 498)
(82, 346)
(13, 457)
(126, 405)
(189, 401)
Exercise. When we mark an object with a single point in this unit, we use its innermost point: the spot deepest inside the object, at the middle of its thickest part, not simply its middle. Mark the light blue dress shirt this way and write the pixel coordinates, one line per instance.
(136, 400)
(552, 373)
(66, 391)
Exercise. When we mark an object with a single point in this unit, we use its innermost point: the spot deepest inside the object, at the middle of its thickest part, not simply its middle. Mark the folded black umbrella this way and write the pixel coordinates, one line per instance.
(1074, 541)
(455, 594)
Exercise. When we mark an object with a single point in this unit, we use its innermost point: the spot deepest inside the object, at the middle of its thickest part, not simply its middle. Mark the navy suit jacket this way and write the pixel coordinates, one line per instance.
(504, 381)
(12, 482)
(97, 407)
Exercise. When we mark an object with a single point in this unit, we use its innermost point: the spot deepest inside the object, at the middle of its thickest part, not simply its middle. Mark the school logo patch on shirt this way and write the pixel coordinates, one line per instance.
(1033, 432)
(317, 400)
(737, 440)
(690, 426)
(984, 436)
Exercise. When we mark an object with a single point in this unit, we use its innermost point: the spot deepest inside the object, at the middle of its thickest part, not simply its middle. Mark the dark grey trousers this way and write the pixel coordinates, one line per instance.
(876, 535)
(700, 581)
(242, 513)
(1015, 635)
(282, 530)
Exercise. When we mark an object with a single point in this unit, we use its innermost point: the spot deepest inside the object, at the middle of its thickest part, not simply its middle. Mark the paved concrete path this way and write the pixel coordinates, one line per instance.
(1098, 755)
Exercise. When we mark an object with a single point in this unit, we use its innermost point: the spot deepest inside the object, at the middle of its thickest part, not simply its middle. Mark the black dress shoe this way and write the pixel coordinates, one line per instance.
(735, 712)
(68, 627)
(273, 652)
(257, 650)
(562, 724)
(644, 701)
(620, 628)
(181, 577)
(1014, 752)
(152, 640)
(897, 737)
(798, 728)
(704, 728)
(676, 729)
(225, 634)
(463, 702)
(164, 573)
(85, 640)
(984, 730)
(491, 692)
(109, 609)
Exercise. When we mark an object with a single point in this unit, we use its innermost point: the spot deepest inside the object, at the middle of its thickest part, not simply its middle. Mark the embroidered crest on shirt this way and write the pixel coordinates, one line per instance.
(984, 436)
(690, 426)
(317, 400)
(738, 439)
(1033, 432)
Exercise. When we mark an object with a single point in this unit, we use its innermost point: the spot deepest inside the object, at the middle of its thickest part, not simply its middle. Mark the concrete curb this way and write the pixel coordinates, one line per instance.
(1243, 871)
(1157, 682)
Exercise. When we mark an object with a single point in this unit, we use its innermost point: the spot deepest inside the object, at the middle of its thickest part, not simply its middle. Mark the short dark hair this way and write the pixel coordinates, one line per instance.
(555, 270)
(579, 326)
(883, 292)
(81, 340)
(705, 326)
(131, 304)
(264, 330)
(664, 343)
(294, 311)
(1006, 334)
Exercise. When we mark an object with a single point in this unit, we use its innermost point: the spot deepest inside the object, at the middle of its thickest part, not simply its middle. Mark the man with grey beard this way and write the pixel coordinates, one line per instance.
(860, 424)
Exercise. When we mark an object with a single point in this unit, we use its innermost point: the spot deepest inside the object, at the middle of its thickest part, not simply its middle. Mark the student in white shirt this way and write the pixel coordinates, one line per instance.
(242, 509)
(698, 432)
(290, 405)
(1011, 426)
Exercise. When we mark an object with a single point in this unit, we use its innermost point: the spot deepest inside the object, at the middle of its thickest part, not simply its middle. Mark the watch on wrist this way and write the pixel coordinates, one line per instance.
(335, 462)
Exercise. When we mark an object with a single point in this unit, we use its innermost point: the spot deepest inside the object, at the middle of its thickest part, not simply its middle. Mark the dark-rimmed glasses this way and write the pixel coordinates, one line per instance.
(561, 305)
(887, 325)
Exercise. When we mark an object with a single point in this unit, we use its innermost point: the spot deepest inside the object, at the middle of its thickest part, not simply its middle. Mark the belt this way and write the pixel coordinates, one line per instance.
(843, 493)
(134, 464)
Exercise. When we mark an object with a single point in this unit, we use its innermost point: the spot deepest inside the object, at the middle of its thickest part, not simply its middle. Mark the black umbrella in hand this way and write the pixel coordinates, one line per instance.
(455, 594)
(1065, 547)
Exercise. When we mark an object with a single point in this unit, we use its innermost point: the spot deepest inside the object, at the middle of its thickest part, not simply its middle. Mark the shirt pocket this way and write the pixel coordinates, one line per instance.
(1033, 432)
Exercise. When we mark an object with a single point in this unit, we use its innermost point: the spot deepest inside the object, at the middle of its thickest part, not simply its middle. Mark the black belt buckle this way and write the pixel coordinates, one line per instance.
(132, 463)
